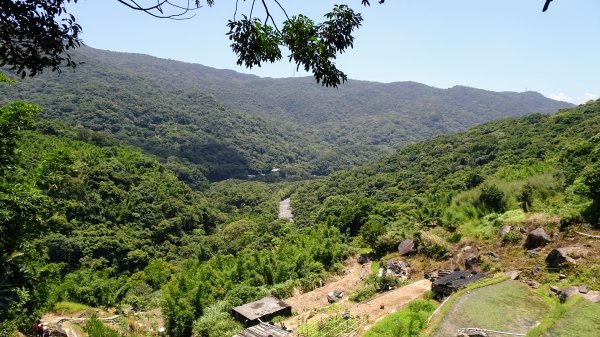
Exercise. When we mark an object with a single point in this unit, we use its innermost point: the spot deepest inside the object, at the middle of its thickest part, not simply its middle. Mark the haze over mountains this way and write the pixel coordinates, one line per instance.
(231, 124)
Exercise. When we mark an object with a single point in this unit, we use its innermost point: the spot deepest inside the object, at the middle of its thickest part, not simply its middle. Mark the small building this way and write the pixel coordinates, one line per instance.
(264, 329)
(263, 310)
(445, 285)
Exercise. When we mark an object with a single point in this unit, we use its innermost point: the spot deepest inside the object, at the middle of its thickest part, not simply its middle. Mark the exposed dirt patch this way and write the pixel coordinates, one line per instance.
(313, 305)
(285, 210)
(316, 299)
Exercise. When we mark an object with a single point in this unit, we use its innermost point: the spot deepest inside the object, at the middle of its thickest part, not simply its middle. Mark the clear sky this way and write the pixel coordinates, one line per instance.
(501, 45)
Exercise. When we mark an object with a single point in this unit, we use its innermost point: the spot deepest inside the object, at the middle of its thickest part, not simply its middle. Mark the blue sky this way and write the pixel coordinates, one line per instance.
(507, 45)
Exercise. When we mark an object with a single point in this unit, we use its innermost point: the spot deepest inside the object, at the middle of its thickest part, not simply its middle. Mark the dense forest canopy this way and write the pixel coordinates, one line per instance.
(230, 125)
(463, 182)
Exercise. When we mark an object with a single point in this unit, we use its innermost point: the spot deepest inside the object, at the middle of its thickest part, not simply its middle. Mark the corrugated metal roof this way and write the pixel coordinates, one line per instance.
(257, 309)
(264, 330)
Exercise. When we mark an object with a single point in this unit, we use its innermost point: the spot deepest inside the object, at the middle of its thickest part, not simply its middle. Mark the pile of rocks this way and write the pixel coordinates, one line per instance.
(334, 296)
(582, 290)
(396, 268)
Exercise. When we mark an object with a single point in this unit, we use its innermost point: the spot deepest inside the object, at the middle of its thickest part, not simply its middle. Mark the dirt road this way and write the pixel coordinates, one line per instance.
(391, 300)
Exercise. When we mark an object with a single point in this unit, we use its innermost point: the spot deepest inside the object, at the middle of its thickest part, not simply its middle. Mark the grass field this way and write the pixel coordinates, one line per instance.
(407, 321)
(67, 308)
(508, 306)
(582, 319)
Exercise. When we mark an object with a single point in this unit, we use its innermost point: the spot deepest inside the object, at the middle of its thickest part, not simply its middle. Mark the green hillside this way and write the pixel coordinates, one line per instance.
(188, 125)
(468, 182)
(107, 225)
(358, 113)
(104, 224)
(231, 125)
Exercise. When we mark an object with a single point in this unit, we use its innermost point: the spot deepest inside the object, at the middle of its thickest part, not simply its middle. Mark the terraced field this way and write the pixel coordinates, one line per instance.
(507, 306)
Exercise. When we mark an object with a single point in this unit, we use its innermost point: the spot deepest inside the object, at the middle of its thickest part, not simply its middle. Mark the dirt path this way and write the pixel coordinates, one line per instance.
(312, 305)
(346, 283)
(391, 300)
(371, 310)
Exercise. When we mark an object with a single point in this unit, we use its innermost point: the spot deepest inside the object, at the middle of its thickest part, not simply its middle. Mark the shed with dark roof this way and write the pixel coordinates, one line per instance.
(263, 310)
(447, 284)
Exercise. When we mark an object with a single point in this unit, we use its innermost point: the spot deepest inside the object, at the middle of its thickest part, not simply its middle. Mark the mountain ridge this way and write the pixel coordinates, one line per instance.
(192, 112)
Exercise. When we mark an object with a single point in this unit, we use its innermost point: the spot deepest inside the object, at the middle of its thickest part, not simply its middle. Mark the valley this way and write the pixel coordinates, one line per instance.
(168, 194)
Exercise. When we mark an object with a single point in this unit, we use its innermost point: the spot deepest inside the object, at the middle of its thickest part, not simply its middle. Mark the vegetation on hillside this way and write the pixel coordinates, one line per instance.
(109, 225)
(468, 184)
(229, 125)
(88, 219)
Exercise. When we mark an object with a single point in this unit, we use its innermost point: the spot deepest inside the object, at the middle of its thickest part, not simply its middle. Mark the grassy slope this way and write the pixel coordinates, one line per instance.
(582, 319)
(508, 306)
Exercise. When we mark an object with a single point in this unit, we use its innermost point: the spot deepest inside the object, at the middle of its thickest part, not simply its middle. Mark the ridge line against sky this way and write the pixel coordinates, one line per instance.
(500, 46)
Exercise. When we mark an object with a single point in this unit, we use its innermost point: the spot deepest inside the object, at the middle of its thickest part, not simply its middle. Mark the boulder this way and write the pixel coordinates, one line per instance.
(505, 230)
(565, 255)
(363, 258)
(495, 257)
(334, 296)
(583, 289)
(592, 295)
(567, 292)
(533, 284)
(535, 270)
(406, 247)
(537, 238)
(471, 262)
(554, 289)
(513, 274)
(397, 268)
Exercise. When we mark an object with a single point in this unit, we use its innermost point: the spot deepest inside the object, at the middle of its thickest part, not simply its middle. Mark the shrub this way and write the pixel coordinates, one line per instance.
(432, 245)
(511, 238)
(492, 198)
(362, 294)
(455, 237)
(94, 328)
(283, 290)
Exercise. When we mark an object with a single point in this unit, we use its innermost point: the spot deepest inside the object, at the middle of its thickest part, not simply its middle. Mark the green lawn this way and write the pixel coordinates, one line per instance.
(407, 321)
(507, 306)
(582, 319)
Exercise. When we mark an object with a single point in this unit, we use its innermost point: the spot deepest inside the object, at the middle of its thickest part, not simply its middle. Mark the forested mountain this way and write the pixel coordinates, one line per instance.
(468, 183)
(107, 224)
(231, 124)
(117, 227)
(186, 125)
